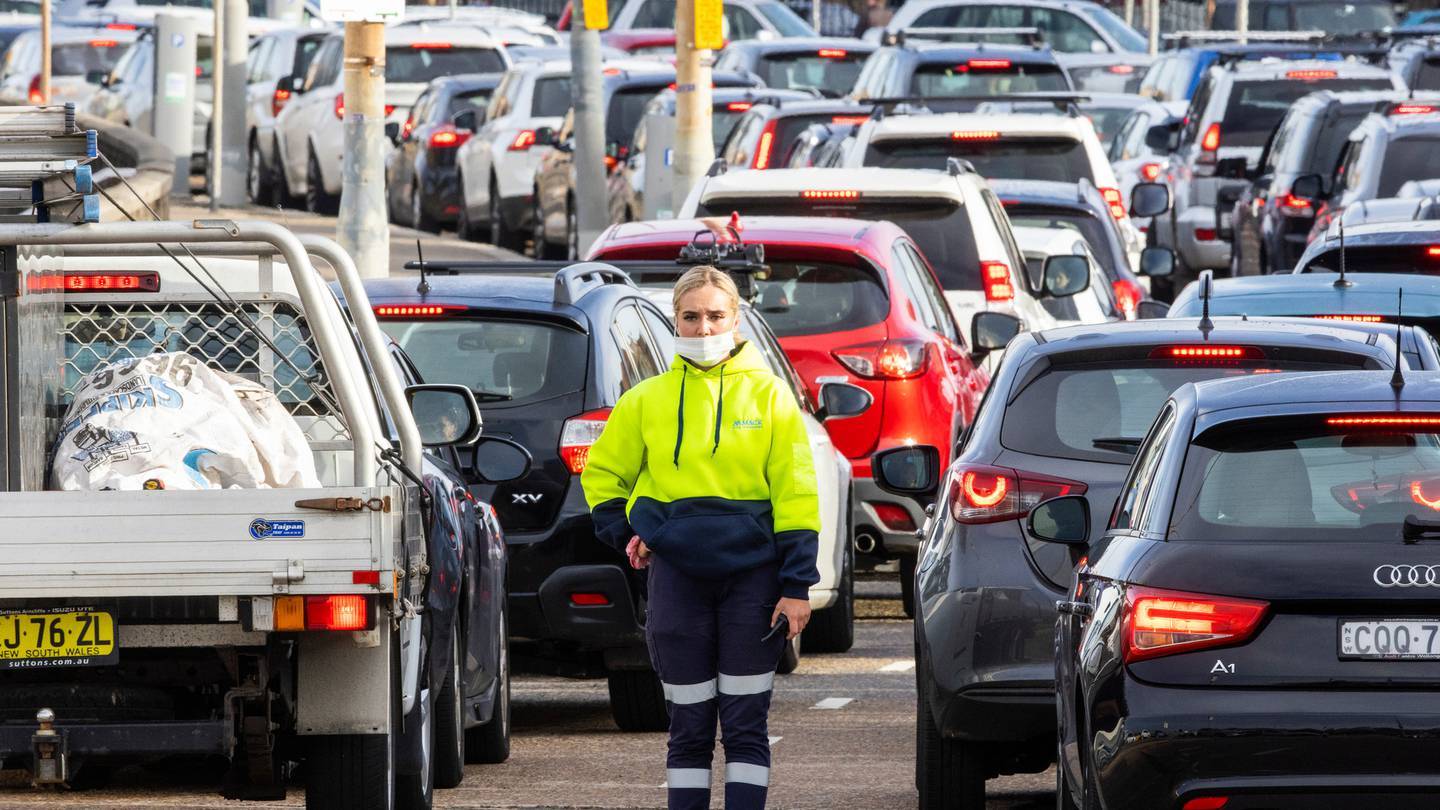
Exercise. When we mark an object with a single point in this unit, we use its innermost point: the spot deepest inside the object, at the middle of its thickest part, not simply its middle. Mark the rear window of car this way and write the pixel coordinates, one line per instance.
(951, 80)
(502, 361)
(1101, 412)
(1427, 76)
(1096, 233)
(810, 298)
(1060, 159)
(552, 97)
(786, 22)
(626, 109)
(1255, 107)
(1377, 259)
(421, 65)
(82, 58)
(942, 230)
(1406, 159)
(1307, 480)
(824, 70)
(476, 100)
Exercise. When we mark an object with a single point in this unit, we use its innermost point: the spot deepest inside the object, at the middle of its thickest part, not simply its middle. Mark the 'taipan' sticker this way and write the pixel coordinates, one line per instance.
(263, 529)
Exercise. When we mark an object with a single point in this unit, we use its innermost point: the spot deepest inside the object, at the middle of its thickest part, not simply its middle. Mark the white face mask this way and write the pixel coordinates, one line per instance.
(706, 351)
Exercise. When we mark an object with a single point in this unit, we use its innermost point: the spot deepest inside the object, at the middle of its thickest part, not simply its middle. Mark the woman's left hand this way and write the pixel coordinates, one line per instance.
(797, 612)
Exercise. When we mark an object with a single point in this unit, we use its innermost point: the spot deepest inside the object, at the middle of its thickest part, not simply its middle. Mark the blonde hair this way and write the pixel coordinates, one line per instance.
(697, 278)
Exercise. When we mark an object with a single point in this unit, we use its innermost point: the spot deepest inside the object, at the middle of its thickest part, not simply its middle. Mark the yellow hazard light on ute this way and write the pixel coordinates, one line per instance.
(289, 613)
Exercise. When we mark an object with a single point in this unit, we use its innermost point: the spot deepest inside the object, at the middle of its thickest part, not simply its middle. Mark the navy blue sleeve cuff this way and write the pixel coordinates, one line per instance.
(611, 524)
(798, 571)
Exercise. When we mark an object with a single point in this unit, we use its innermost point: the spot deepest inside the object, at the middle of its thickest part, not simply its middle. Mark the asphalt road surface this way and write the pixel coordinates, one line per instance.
(843, 729)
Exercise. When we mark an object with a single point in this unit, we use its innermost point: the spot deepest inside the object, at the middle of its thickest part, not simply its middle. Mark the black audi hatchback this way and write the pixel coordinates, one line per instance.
(1257, 626)
(547, 355)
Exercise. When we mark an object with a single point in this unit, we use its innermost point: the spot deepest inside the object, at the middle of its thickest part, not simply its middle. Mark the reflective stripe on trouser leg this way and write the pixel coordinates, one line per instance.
(681, 631)
(688, 788)
(745, 785)
(746, 684)
(687, 693)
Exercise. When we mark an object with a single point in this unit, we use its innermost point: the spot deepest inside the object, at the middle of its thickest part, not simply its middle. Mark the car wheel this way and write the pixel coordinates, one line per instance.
(637, 701)
(490, 743)
(789, 657)
(907, 585)
(450, 721)
(537, 229)
(498, 236)
(417, 791)
(420, 220)
(949, 773)
(284, 197)
(464, 228)
(317, 201)
(832, 630)
(572, 232)
(355, 771)
(259, 188)
(1064, 796)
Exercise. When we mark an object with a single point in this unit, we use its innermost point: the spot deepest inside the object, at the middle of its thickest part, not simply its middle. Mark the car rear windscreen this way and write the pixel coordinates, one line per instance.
(952, 80)
(502, 361)
(811, 298)
(1097, 234)
(626, 109)
(1101, 411)
(1334, 18)
(1062, 160)
(422, 64)
(832, 71)
(84, 58)
(941, 229)
(1257, 105)
(1406, 159)
(552, 97)
(1379, 259)
(1308, 479)
(476, 100)
(1427, 77)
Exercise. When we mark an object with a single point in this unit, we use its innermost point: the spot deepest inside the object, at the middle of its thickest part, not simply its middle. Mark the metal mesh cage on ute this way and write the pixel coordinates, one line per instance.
(106, 331)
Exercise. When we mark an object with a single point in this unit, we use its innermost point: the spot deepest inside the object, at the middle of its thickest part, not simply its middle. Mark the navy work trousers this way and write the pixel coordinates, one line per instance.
(704, 638)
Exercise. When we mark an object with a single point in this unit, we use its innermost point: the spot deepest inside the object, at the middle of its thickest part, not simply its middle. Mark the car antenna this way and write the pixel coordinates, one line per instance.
(1397, 379)
(424, 286)
(1207, 278)
(1341, 282)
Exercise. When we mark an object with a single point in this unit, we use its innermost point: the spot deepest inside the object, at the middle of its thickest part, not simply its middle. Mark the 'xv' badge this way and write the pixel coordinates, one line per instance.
(525, 497)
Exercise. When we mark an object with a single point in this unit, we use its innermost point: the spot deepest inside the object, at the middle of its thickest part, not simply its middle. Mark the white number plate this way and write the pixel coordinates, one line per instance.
(1391, 638)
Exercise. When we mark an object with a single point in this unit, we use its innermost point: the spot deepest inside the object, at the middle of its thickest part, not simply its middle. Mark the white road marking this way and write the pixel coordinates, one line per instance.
(774, 739)
(898, 666)
(833, 703)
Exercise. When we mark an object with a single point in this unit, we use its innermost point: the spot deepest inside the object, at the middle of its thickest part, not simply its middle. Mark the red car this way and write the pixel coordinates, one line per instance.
(853, 300)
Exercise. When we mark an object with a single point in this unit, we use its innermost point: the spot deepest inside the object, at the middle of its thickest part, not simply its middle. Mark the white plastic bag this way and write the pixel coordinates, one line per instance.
(168, 421)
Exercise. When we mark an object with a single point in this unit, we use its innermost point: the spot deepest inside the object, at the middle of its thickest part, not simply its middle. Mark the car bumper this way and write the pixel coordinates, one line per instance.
(1198, 254)
(518, 213)
(440, 193)
(124, 740)
(1269, 748)
(894, 540)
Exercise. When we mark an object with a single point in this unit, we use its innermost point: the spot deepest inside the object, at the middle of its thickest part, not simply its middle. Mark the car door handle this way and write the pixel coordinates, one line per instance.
(1081, 609)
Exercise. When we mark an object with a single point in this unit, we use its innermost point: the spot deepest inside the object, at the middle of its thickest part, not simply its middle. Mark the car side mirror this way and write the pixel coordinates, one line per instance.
(842, 401)
(912, 471)
(1149, 199)
(1232, 168)
(545, 136)
(100, 77)
(1308, 187)
(496, 460)
(1160, 138)
(295, 83)
(1157, 262)
(1065, 275)
(467, 119)
(1061, 520)
(447, 415)
(992, 331)
(1151, 310)
(392, 131)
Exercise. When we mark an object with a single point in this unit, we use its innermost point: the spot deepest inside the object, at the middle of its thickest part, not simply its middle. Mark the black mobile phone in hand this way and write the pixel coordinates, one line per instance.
(782, 623)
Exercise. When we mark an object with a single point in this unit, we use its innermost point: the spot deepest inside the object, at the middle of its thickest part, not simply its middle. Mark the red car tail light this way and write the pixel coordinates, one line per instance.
(830, 53)
(448, 137)
(1159, 622)
(279, 100)
(983, 494)
(588, 599)
(1207, 355)
(975, 135)
(1433, 251)
(340, 107)
(524, 139)
(1211, 142)
(577, 436)
(1122, 70)
(1150, 171)
(897, 359)
(343, 612)
(988, 64)
(102, 281)
(1311, 75)
(849, 120)
(415, 310)
(762, 149)
(1413, 109)
(996, 277)
(1292, 206)
(431, 46)
(1381, 421)
(34, 94)
(1205, 234)
(1352, 318)
(1127, 296)
(1115, 201)
(830, 195)
(738, 106)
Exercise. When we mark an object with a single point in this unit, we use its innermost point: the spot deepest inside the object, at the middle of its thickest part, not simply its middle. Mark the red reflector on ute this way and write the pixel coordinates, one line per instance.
(975, 135)
(830, 195)
(343, 612)
(1311, 75)
(589, 599)
(414, 310)
(1384, 421)
(365, 577)
(1161, 623)
(1207, 353)
(1207, 803)
(988, 64)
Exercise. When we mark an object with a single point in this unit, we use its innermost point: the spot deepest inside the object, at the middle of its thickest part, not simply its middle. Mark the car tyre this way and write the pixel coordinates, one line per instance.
(789, 657)
(259, 186)
(1064, 796)
(355, 771)
(832, 630)
(949, 773)
(637, 700)
(420, 220)
(500, 236)
(490, 744)
(907, 585)
(417, 791)
(464, 228)
(572, 232)
(449, 722)
(284, 197)
(317, 200)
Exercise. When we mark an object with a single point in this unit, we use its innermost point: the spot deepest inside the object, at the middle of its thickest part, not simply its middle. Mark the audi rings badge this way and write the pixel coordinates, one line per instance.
(1408, 576)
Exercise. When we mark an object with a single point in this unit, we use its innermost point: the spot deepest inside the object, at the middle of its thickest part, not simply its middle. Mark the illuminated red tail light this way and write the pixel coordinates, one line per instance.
(1352, 318)
(340, 107)
(1115, 201)
(1207, 355)
(996, 277)
(738, 106)
(448, 137)
(975, 135)
(343, 612)
(1433, 251)
(1413, 109)
(100, 281)
(279, 100)
(1206, 234)
(1122, 70)
(984, 494)
(1211, 141)
(524, 139)
(34, 94)
(1383, 421)
(898, 359)
(830, 195)
(849, 120)
(415, 310)
(988, 64)
(1150, 171)
(122, 27)
(1128, 296)
(1293, 206)
(1311, 75)
(1159, 622)
(767, 143)
(103, 43)
(577, 436)
(431, 46)
(830, 53)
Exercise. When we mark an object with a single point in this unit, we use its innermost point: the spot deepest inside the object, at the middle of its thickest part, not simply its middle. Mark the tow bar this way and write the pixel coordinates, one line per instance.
(49, 750)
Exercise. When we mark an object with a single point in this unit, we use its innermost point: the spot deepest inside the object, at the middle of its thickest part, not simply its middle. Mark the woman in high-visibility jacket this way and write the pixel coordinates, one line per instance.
(704, 474)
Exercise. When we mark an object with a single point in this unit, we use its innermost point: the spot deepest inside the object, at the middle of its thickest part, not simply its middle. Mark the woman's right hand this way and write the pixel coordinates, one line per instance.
(638, 552)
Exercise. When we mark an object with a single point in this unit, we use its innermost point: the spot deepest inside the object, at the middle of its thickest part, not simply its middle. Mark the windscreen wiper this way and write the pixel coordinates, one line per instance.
(1120, 444)
(488, 396)
(1415, 529)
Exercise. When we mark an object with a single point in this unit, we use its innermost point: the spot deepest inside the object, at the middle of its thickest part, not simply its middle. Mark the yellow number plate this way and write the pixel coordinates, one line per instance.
(54, 639)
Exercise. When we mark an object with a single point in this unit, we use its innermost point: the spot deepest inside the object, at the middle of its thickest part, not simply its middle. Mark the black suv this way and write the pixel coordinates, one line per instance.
(547, 357)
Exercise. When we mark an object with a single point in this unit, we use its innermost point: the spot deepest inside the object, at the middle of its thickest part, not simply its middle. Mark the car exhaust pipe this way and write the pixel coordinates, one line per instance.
(866, 542)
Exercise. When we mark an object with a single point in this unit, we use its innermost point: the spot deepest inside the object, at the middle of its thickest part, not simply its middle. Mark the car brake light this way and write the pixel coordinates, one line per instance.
(1413, 109)
(975, 135)
(1207, 355)
(578, 434)
(1205, 234)
(762, 150)
(1115, 201)
(1122, 70)
(122, 27)
(1293, 206)
(415, 310)
(988, 64)
(1207, 803)
(895, 517)
(1161, 622)
(279, 99)
(738, 106)
(34, 94)
(96, 281)
(1211, 141)
(448, 137)
(1384, 421)
(836, 194)
(1352, 318)
(897, 359)
(983, 494)
(996, 276)
(589, 599)
(1311, 75)
(1127, 296)
(341, 612)
(431, 46)
(849, 120)
(103, 43)
(524, 139)
(830, 53)
(1150, 171)
(1433, 251)
(340, 107)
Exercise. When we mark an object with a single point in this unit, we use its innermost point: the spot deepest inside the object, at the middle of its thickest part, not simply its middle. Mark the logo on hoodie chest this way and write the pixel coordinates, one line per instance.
(747, 424)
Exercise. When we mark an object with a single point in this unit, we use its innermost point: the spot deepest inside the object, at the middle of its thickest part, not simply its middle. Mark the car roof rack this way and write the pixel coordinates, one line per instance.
(1026, 36)
(1065, 102)
(1184, 39)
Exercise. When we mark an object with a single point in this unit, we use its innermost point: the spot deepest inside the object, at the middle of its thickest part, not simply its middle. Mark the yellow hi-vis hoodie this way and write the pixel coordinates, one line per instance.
(713, 470)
